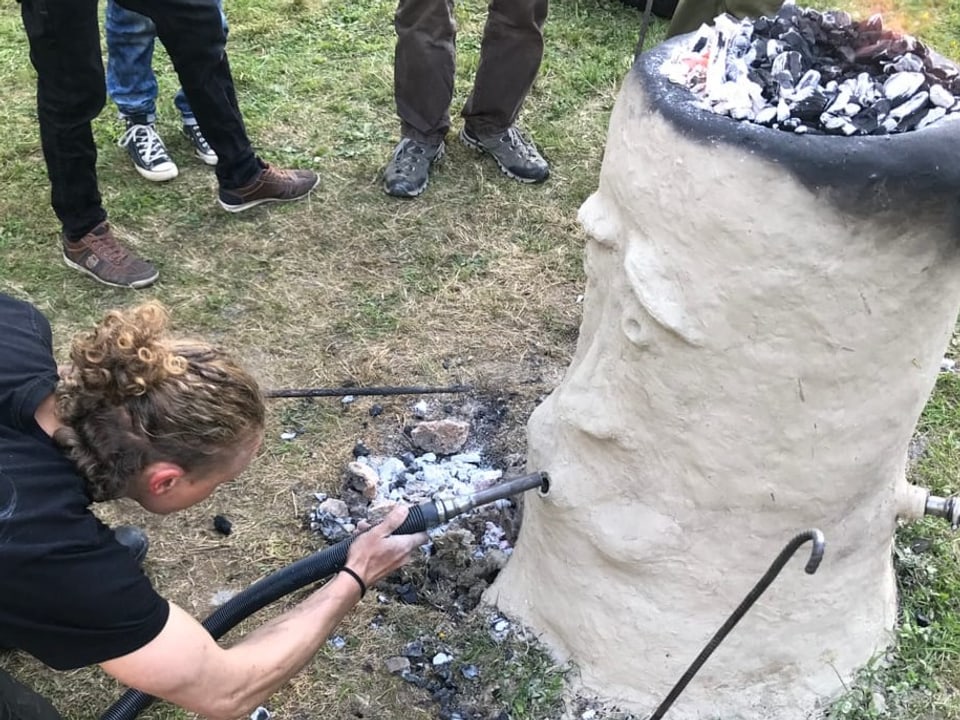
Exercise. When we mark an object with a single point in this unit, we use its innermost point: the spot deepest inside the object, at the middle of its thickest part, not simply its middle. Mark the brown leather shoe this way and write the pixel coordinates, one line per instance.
(101, 256)
(271, 185)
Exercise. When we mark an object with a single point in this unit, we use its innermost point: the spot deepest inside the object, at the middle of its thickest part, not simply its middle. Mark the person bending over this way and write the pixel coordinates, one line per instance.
(137, 413)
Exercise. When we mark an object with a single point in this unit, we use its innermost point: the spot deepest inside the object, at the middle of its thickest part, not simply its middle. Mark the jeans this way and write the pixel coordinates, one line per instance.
(131, 83)
(64, 40)
(424, 66)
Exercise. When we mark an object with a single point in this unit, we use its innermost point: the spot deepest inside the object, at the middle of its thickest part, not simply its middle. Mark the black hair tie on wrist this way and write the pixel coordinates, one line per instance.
(363, 585)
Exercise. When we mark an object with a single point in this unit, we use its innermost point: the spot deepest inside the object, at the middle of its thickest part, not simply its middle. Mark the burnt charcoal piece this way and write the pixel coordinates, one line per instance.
(858, 71)
(811, 107)
(222, 525)
(902, 85)
(907, 63)
(867, 121)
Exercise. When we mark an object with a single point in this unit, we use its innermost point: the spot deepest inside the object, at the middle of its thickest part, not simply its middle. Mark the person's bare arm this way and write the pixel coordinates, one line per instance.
(185, 666)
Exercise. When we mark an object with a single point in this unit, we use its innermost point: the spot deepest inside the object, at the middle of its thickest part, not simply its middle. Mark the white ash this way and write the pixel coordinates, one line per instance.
(385, 481)
(812, 72)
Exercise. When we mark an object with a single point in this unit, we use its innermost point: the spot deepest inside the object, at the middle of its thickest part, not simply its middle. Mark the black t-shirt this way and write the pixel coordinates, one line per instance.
(70, 594)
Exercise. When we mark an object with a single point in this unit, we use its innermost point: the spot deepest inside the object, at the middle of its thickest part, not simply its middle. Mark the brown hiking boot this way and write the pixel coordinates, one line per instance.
(100, 255)
(271, 185)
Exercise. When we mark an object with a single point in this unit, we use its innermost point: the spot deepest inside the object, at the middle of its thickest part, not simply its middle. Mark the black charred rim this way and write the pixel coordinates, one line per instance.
(878, 171)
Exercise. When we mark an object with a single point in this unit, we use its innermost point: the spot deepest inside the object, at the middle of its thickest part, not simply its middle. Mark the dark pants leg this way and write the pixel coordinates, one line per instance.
(192, 32)
(509, 61)
(424, 67)
(18, 702)
(64, 40)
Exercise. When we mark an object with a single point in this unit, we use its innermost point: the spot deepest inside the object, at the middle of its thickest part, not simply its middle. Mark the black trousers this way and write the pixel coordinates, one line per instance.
(424, 66)
(64, 40)
(18, 702)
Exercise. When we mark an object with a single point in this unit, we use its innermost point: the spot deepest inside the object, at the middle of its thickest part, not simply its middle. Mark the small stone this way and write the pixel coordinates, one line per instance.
(222, 525)
(337, 642)
(396, 665)
(261, 713)
(288, 435)
(334, 506)
(441, 659)
(347, 399)
(589, 715)
(921, 546)
(379, 509)
(365, 479)
(922, 620)
(420, 409)
(443, 437)
(376, 409)
(413, 649)
(948, 365)
(470, 671)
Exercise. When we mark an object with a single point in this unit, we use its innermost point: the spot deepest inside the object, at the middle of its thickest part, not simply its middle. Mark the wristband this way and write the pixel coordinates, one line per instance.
(351, 573)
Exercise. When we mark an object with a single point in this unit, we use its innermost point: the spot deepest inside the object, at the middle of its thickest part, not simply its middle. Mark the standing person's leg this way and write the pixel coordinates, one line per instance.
(18, 702)
(510, 57)
(192, 32)
(424, 68)
(190, 128)
(132, 85)
(64, 40)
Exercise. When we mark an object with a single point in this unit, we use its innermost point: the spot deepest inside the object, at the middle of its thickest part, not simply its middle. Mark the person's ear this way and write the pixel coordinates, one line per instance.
(162, 477)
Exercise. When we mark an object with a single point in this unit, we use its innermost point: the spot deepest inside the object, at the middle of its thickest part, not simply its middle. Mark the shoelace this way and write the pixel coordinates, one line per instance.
(410, 156)
(517, 142)
(109, 249)
(149, 145)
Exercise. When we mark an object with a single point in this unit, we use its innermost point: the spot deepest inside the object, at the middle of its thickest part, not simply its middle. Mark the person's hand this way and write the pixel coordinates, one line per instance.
(377, 552)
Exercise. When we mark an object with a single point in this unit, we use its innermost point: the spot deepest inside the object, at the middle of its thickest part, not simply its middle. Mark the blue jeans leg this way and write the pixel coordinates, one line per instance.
(131, 83)
(180, 99)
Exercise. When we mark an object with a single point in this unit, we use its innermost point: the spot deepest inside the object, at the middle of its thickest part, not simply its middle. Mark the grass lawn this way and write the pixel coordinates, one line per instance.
(476, 281)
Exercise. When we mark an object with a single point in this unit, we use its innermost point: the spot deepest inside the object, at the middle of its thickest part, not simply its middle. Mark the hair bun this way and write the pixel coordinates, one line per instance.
(127, 354)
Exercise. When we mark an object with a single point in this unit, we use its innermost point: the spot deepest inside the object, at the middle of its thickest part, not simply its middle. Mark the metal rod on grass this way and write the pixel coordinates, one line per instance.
(358, 391)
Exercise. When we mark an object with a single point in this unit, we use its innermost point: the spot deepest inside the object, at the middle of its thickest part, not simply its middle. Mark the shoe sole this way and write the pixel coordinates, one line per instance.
(417, 193)
(474, 145)
(206, 159)
(158, 176)
(254, 203)
(136, 285)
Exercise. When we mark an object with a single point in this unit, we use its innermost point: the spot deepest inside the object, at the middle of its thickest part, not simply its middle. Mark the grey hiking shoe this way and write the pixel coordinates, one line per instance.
(408, 171)
(517, 157)
(101, 256)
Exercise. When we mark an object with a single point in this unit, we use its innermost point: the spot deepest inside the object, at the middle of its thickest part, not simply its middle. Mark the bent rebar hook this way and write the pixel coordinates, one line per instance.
(816, 555)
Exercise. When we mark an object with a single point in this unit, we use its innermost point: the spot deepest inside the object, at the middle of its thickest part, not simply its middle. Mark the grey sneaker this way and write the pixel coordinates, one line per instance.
(517, 157)
(408, 171)
(201, 148)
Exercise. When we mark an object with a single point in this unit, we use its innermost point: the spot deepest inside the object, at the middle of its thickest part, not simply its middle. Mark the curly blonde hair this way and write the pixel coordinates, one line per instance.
(135, 395)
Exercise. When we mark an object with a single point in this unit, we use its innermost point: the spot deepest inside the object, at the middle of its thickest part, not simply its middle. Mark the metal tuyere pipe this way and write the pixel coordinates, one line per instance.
(449, 508)
(947, 508)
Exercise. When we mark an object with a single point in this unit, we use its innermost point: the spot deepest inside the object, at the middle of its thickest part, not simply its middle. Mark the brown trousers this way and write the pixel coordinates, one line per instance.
(425, 62)
(691, 14)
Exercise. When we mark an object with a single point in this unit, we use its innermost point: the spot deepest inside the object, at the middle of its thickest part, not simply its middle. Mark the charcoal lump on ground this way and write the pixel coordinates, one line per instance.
(812, 72)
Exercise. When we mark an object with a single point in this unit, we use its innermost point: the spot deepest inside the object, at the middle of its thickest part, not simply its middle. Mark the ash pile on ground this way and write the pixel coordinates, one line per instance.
(809, 72)
(442, 459)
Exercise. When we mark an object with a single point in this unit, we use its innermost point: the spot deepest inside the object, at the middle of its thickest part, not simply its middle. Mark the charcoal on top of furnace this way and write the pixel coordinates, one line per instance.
(805, 71)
